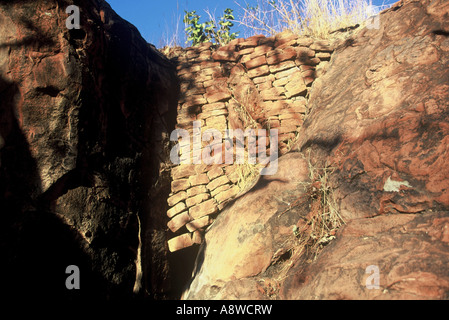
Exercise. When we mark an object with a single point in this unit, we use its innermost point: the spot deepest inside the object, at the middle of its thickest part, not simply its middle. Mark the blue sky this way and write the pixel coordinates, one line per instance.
(157, 19)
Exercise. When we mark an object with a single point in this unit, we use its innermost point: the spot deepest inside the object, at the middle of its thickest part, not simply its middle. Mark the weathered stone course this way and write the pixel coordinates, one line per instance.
(205, 208)
(178, 221)
(198, 179)
(180, 196)
(217, 182)
(180, 242)
(199, 223)
(190, 202)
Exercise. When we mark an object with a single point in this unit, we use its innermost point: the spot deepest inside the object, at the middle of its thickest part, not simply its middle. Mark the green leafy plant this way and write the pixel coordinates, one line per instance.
(224, 34)
(213, 31)
(194, 29)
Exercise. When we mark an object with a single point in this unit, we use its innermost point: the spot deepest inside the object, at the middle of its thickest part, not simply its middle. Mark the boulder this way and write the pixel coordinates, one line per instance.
(244, 238)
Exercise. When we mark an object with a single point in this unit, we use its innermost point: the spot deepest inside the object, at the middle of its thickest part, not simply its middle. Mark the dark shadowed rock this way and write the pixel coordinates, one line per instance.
(84, 120)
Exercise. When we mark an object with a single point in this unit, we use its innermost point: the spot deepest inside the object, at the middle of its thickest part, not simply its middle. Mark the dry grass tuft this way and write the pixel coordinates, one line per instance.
(320, 224)
(247, 174)
(316, 18)
(244, 114)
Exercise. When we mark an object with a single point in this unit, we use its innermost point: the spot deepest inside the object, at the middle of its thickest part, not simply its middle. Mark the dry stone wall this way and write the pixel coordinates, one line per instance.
(259, 82)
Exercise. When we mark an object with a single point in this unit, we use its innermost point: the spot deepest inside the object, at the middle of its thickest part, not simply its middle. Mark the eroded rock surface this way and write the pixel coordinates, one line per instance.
(409, 251)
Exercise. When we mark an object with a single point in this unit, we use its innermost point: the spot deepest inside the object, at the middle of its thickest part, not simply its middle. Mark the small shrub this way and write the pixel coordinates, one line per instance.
(217, 32)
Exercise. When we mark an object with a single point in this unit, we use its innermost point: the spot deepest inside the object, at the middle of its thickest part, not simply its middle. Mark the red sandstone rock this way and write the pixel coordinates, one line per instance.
(279, 55)
(388, 121)
(388, 142)
(244, 289)
(256, 62)
(411, 264)
(225, 54)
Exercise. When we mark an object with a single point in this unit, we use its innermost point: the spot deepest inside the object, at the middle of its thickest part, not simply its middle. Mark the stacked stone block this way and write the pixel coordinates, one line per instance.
(267, 78)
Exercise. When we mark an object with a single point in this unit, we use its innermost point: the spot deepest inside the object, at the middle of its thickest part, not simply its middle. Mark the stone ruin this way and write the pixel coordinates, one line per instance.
(259, 82)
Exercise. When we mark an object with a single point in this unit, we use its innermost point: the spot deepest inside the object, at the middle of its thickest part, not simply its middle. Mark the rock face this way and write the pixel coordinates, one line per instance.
(409, 253)
(85, 118)
(359, 205)
(378, 118)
